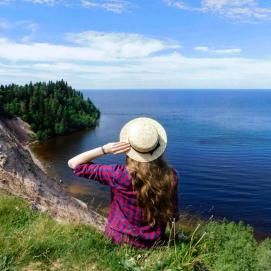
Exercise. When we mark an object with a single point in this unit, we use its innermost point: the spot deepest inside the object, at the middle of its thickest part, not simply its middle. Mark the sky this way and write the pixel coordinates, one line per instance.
(129, 44)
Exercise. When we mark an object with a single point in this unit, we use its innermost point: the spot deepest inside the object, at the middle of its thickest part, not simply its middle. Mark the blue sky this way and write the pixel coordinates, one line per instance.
(122, 44)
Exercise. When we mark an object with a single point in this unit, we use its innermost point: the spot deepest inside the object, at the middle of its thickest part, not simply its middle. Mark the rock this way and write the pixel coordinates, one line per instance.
(21, 176)
(3, 158)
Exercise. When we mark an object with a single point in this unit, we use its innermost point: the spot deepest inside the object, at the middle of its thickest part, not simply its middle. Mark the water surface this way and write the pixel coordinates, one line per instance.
(219, 142)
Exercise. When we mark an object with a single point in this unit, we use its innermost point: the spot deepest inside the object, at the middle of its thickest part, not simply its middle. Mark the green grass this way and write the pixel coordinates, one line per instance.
(31, 240)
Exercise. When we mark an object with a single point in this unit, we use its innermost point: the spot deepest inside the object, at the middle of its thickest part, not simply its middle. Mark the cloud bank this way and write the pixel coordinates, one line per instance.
(115, 6)
(109, 60)
(246, 10)
(218, 51)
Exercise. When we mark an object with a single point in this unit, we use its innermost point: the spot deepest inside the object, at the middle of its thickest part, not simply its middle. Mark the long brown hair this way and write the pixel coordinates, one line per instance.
(154, 184)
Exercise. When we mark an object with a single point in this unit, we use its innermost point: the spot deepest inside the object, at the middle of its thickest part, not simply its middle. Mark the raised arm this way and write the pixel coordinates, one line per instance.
(83, 166)
(106, 174)
(110, 148)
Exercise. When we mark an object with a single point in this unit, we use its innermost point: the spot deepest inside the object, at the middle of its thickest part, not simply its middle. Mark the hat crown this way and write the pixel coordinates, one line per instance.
(143, 137)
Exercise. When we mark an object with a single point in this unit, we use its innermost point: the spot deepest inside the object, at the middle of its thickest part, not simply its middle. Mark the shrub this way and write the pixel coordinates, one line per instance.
(229, 246)
(263, 255)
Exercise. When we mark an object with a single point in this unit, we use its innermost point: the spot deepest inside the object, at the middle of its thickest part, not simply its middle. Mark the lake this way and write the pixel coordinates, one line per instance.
(219, 142)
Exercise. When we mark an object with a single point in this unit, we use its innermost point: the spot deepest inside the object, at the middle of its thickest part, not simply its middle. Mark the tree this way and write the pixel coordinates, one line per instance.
(50, 108)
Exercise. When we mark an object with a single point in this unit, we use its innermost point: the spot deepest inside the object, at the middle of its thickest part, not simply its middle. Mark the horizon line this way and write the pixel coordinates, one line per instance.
(179, 89)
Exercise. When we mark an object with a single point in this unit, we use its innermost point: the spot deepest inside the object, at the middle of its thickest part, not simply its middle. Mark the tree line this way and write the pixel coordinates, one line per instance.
(52, 108)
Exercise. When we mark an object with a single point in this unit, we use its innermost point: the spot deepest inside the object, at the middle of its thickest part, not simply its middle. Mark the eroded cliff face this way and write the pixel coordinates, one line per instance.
(21, 176)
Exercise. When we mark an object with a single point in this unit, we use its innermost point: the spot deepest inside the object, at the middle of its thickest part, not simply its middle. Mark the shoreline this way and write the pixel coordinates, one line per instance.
(188, 221)
(34, 157)
(24, 175)
(24, 133)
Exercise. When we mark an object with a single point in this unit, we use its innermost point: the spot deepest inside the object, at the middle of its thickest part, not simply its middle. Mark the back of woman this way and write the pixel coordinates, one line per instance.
(144, 193)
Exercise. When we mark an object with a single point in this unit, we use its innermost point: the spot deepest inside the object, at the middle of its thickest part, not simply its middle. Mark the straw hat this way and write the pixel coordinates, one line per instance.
(147, 137)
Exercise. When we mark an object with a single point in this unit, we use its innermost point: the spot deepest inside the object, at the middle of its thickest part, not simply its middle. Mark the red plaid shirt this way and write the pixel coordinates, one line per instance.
(125, 220)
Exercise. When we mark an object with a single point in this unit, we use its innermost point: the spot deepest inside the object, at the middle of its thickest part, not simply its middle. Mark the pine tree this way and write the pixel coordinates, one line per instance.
(50, 108)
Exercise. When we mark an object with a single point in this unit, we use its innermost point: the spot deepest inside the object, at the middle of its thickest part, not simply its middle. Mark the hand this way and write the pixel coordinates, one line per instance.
(116, 147)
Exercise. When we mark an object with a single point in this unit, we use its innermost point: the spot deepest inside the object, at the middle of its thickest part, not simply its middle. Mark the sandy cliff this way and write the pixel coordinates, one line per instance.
(20, 175)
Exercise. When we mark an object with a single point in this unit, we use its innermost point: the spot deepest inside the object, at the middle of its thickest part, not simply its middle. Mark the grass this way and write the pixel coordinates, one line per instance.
(30, 240)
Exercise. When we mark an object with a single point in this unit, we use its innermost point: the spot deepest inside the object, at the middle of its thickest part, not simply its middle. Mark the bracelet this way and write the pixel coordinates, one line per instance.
(103, 150)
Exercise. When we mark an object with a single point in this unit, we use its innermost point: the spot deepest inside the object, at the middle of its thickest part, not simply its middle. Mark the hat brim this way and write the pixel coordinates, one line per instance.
(145, 157)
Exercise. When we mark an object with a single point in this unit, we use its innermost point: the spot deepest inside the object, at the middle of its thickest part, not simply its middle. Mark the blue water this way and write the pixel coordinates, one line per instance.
(219, 141)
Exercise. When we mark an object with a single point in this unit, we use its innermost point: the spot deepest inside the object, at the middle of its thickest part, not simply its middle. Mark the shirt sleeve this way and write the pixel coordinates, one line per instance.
(105, 174)
(175, 198)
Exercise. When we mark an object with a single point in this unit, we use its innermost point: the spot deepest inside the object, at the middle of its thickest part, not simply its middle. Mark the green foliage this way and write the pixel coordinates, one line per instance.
(50, 108)
(231, 246)
(30, 240)
(33, 241)
(263, 255)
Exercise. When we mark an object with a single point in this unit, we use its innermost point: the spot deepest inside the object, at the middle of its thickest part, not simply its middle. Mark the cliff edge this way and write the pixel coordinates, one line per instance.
(21, 176)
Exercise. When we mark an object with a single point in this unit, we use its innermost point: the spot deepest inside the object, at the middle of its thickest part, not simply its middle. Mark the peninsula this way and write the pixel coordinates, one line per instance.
(51, 109)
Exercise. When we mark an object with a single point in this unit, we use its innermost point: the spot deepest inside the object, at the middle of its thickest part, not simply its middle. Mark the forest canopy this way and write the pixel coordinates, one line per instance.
(52, 108)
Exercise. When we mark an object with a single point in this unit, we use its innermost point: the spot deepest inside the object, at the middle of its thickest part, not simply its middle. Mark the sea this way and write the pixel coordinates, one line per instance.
(219, 141)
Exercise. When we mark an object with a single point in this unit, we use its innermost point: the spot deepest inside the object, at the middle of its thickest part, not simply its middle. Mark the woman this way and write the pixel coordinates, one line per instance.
(143, 192)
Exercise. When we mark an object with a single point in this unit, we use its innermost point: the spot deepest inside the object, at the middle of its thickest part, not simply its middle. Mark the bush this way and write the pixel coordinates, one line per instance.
(263, 255)
(229, 246)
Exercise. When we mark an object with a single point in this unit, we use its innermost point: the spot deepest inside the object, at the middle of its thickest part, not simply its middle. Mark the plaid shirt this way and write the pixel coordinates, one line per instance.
(125, 220)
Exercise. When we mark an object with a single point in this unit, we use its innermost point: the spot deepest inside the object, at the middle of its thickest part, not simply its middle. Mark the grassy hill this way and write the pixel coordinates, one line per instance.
(30, 240)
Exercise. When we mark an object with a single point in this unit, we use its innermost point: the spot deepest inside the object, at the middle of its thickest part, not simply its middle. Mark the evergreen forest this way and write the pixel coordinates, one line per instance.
(52, 108)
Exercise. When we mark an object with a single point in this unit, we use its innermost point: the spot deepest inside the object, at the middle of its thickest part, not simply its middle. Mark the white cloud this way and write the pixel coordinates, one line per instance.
(87, 46)
(245, 10)
(46, 2)
(116, 6)
(219, 4)
(201, 48)
(228, 51)
(177, 4)
(26, 26)
(121, 45)
(182, 5)
(4, 2)
(126, 60)
(218, 51)
(88, 4)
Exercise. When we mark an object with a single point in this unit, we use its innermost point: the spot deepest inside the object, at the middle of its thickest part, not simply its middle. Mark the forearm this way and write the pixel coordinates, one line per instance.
(85, 157)
(109, 148)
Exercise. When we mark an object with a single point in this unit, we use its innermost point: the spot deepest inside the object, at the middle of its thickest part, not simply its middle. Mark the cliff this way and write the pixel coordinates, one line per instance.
(20, 175)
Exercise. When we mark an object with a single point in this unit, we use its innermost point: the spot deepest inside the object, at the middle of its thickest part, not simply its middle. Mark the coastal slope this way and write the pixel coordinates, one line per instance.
(20, 175)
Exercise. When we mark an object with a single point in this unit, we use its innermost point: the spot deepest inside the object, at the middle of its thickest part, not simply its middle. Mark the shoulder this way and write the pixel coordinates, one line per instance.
(119, 173)
(118, 169)
(122, 175)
